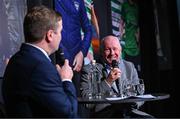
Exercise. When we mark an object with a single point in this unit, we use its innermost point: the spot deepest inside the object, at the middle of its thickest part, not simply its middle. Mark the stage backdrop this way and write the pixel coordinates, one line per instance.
(11, 29)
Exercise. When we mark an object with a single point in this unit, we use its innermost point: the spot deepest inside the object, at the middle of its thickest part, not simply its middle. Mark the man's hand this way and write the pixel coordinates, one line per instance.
(114, 74)
(78, 62)
(65, 71)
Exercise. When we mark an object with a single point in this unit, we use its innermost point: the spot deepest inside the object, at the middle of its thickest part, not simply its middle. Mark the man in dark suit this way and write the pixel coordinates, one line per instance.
(33, 86)
(111, 80)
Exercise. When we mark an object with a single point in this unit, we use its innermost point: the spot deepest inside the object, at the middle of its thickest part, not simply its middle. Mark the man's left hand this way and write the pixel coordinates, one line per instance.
(78, 62)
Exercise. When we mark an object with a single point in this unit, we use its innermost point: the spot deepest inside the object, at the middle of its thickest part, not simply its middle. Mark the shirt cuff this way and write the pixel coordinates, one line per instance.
(66, 80)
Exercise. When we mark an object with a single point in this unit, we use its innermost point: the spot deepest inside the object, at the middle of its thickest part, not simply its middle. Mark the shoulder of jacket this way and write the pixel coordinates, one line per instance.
(127, 62)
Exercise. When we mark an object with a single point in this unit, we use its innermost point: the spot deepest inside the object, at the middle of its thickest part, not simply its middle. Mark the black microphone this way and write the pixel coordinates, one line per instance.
(115, 65)
(60, 57)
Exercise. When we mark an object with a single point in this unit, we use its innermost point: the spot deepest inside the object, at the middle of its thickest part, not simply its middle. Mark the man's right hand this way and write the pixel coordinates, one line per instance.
(114, 74)
(65, 71)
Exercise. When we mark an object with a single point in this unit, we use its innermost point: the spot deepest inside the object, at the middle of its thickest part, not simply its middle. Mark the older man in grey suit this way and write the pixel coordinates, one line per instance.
(109, 76)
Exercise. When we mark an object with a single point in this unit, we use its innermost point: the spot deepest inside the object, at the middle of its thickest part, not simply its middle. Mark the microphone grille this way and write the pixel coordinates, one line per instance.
(115, 64)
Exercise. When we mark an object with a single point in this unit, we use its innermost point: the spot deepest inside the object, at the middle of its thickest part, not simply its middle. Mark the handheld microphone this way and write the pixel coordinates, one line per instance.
(60, 57)
(115, 65)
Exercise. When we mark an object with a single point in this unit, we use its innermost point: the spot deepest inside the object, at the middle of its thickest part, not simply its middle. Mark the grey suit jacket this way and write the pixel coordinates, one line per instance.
(129, 74)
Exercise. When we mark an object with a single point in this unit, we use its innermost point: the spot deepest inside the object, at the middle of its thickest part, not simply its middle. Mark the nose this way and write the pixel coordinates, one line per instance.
(112, 51)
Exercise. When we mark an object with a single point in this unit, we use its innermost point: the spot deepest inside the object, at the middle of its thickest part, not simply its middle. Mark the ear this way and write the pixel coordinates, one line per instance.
(49, 36)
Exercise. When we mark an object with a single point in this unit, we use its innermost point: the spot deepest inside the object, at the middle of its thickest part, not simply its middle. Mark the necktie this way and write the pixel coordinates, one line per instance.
(114, 88)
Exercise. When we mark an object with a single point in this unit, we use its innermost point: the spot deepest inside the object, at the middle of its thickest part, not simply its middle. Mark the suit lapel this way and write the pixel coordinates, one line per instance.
(105, 73)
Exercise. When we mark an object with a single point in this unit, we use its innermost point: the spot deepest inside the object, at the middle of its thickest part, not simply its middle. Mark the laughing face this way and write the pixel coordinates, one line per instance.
(112, 49)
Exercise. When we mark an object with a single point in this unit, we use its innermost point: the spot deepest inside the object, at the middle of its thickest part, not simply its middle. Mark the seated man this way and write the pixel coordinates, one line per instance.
(109, 75)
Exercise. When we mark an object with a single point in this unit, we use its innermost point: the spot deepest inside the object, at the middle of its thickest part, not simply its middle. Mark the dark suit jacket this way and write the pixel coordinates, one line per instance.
(32, 87)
